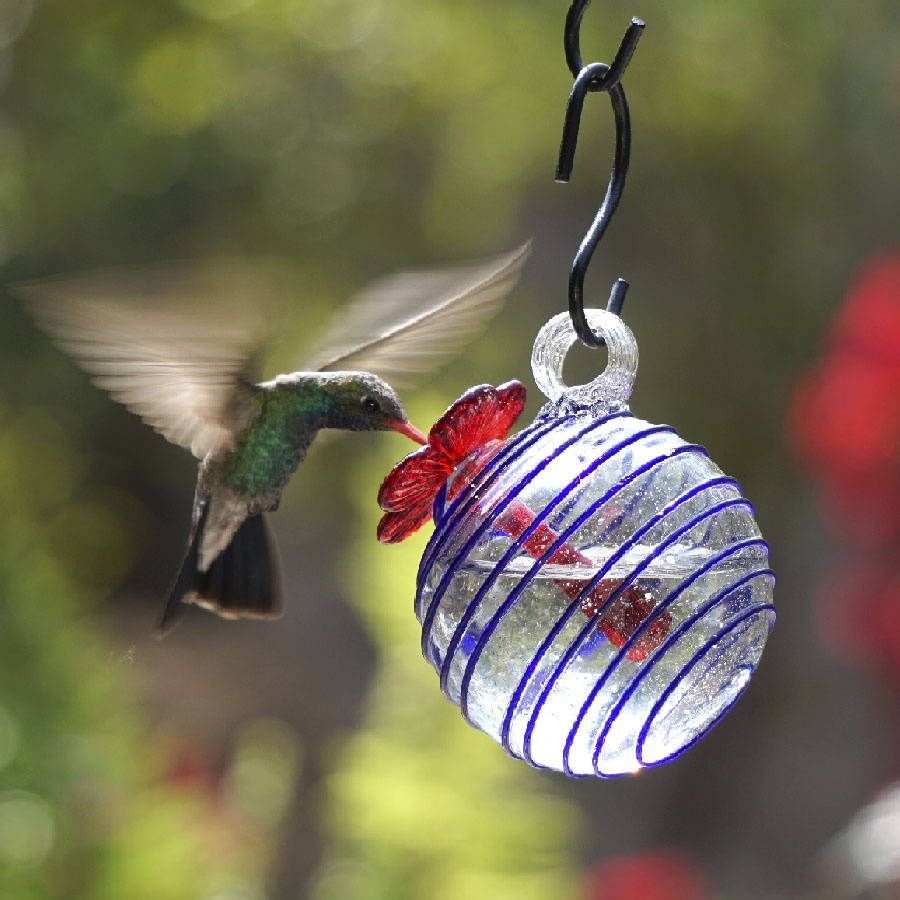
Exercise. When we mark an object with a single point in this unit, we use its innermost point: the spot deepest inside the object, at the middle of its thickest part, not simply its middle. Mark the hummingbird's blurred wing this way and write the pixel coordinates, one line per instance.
(408, 323)
(177, 365)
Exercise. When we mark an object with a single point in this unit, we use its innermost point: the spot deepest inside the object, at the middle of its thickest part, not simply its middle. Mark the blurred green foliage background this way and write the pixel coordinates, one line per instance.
(337, 140)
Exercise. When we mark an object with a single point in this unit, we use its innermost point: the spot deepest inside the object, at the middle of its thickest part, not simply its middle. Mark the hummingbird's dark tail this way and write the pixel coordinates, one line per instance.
(243, 580)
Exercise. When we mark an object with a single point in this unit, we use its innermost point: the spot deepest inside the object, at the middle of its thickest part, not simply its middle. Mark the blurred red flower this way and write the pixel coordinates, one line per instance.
(844, 420)
(655, 875)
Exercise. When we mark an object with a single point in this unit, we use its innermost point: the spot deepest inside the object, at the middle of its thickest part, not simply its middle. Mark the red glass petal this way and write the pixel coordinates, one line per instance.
(461, 428)
(479, 417)
(511, 397)
(472, 465)
(415, 479)
(396, 526)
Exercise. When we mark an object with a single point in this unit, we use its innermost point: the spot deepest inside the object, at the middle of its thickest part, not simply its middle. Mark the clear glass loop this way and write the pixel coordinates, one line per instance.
(612, 387)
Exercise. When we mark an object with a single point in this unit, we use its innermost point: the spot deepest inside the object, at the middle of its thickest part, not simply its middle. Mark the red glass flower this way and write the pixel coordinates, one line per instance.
(482, 415)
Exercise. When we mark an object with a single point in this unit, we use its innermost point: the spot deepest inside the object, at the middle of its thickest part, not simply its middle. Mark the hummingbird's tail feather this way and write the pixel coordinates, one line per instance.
(242, 581)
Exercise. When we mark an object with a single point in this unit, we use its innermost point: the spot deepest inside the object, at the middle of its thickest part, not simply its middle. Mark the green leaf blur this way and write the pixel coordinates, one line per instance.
(84, 811)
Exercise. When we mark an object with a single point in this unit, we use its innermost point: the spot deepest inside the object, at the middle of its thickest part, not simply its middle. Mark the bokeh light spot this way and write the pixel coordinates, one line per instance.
(181, 82)
(26, 828)
(265, 769)
(334, 25)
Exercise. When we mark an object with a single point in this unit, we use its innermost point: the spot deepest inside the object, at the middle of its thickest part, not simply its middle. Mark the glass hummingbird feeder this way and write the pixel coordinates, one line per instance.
(596, 593)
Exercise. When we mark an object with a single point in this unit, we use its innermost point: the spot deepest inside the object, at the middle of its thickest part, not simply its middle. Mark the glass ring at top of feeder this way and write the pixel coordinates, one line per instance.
(598, 595)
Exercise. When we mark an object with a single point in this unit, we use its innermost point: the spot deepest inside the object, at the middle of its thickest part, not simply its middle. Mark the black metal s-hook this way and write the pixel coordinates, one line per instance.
(596, 77)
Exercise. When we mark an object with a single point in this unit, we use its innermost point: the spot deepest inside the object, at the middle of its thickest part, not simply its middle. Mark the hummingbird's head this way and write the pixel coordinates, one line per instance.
(363, 402)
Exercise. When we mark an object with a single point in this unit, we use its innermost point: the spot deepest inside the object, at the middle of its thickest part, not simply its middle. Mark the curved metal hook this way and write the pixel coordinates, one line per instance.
(572, 43)
(592, 78)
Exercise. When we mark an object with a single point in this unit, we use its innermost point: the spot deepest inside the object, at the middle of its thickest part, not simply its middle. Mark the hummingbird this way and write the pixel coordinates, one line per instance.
(183, 367)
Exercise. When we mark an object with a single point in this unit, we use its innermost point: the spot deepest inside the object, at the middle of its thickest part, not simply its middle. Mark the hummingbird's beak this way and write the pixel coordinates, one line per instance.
(409, 430)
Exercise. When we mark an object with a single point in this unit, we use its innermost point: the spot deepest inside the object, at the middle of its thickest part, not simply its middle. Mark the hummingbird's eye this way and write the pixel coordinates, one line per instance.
(371, 405)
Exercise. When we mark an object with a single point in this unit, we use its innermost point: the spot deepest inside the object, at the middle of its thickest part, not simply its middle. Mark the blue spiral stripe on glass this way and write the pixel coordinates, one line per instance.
(522, 442)
(588, 628)
(642, 736)
(464, 551)
(591, 623)
(564, 511)
(639, 495)
(571, 609)
(534, 570)
(715, 640)
(645, 563)
(709, 513)
(531, 573)
(513, 550)
(728, 626)
(706, 607)
(683, 585)
(517, 450)
(670, 598)
(517, 544)
(461, 505)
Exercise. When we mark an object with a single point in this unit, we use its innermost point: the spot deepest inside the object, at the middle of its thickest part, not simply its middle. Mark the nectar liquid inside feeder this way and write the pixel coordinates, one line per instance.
(596, 596)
